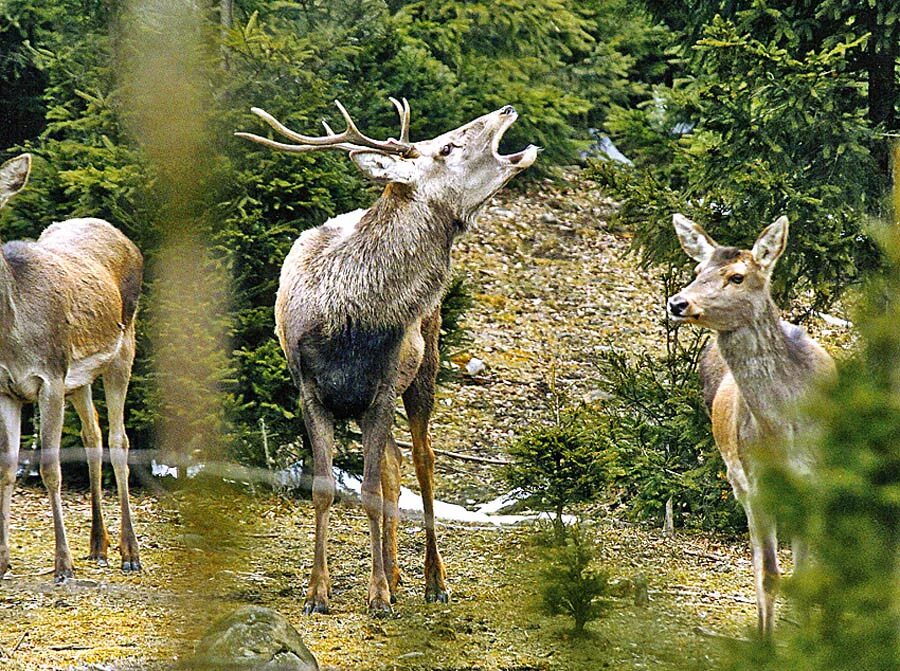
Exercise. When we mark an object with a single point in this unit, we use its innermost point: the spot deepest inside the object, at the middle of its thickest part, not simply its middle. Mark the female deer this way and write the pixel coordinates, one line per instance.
(67, 305)
(758, 368)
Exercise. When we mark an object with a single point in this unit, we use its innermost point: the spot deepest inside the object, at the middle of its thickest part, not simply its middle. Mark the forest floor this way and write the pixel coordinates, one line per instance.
(553, 285)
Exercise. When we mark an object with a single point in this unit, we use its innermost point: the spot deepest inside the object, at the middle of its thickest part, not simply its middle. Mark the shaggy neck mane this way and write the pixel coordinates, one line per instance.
(395, 265)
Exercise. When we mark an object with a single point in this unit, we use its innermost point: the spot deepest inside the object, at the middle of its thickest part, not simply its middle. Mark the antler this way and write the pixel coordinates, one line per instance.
(349, 140)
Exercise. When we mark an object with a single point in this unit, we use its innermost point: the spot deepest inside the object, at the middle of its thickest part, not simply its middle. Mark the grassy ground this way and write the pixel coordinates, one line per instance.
(106, 620)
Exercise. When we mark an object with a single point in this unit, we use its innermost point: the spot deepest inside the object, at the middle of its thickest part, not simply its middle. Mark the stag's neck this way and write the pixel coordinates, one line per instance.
(767, 370)
(395, 265)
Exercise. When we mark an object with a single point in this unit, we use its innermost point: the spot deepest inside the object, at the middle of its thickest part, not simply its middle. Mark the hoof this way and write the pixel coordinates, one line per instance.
(97, 559)
(379, 608)
(316, 606)
(62, 577)
(131, 565)
(437, 595)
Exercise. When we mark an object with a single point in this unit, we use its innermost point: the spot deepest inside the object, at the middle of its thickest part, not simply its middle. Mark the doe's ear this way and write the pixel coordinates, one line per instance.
(14, 176)
(771, 243)
(695, 242)
(384, 167)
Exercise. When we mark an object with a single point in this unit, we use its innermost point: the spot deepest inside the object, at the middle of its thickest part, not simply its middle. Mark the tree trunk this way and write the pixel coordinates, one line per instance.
(669, 524)
(880, 64)
(226, 20)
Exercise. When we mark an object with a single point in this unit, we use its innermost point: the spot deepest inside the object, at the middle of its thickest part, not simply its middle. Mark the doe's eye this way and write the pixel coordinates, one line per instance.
(446, 149)
(736, 278)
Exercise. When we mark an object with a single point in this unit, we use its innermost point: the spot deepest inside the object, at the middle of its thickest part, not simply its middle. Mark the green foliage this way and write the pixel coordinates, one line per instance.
(571, 586)
(64, 74)
(556, 465)
(776, 133)
(655, 434)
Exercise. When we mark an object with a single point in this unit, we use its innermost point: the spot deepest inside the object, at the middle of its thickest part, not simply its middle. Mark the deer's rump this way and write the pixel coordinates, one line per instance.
(347, 367)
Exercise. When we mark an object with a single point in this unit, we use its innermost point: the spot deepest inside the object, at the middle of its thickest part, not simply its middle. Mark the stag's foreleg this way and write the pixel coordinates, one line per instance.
(390, 488)
(418, 399)
(92, 439)
(51, 402)
(376, 426)
(320, 427)
(10, 427)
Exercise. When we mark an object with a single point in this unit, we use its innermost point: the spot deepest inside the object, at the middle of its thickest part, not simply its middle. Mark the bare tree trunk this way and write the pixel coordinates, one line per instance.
(669, 524)
(226, 19)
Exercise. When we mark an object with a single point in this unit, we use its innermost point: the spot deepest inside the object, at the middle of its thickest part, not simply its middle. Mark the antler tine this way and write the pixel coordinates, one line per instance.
(403, 113)
(297, 148)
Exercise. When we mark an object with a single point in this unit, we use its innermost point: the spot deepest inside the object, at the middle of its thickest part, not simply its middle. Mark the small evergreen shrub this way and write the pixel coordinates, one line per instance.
(557, 466)
(655, 434)
(571, 585)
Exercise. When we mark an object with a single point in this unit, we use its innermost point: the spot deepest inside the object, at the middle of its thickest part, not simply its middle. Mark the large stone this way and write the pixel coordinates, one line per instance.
(255, 638)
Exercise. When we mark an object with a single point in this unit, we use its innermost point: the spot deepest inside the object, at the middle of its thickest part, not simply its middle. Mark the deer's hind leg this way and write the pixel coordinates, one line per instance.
(10, 428)
(115, 383)
(92, 438)
(418, 399)
(320, 427)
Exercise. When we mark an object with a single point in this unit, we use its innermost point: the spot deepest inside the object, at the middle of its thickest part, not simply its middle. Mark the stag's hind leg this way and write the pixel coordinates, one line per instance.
(390, 489)
(10, 427)
(418, 399)
(115, 382)
(320, 427)
(92, 438)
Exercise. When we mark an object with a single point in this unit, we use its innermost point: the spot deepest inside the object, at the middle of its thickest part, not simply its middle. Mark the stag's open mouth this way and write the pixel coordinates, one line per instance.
(520, 160)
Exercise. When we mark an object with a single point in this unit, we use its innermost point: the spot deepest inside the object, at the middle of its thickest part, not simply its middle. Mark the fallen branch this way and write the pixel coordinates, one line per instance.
(444, 453)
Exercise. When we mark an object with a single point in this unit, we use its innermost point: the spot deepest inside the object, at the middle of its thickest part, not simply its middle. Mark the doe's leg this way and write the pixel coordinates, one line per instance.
(115, 382)
(766, 572)
(51, 401)
(10, 428)
(92, 438)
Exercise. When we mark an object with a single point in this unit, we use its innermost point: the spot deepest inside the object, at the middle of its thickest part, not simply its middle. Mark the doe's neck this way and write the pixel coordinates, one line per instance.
(759, 358)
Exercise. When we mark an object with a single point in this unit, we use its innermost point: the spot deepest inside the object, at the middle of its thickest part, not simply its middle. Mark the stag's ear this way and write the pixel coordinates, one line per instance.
(694, 240)
(14, 176)
(384, 167)
(771, 243)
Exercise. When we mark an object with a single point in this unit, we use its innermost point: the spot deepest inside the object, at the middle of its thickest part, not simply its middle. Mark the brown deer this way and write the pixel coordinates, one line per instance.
(67, 305)
(757, 369)
(358, 317)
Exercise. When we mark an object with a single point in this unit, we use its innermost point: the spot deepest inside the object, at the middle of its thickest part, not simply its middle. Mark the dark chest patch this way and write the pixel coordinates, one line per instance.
(348, 367)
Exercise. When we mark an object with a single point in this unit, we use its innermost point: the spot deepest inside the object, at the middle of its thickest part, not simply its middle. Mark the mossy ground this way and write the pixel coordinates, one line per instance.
(107, 620)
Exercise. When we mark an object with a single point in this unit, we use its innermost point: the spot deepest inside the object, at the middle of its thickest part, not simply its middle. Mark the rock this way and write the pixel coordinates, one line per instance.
(475, 366)
(549, 218)
(256, 638)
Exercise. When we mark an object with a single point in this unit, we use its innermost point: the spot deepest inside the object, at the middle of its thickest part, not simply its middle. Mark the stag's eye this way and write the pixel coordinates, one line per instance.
(446, 149)
(736, 278)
